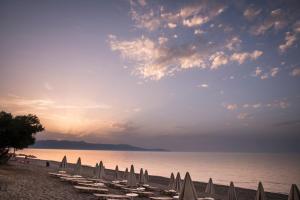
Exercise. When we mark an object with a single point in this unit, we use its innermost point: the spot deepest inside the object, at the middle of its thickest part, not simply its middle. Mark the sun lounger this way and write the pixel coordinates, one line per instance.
(146, 194)
(161, 198)
(97, 185)
(111, 196)
(169, 192)
(91, 189)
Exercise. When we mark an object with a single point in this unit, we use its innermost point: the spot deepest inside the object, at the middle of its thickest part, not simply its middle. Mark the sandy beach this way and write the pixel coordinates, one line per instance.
(31, 180)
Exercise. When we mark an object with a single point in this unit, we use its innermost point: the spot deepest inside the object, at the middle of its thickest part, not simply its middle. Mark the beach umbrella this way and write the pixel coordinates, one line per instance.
(146, 176)
(231, 192)
(178, 182)
(131, 179)
(77, 169)
(188, 191)
(260, 193)
(117, 177)
(294, 193)
(96, 169)
(101, 173)
(210, 188)
(63, 164)
(126, 174)
(142, 177)
(172, 182)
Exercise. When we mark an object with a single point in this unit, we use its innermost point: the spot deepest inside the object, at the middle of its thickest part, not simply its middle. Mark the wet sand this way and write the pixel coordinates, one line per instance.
(31, 181)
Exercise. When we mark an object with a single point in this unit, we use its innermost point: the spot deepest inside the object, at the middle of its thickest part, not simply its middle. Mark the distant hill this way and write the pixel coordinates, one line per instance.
(65, 144)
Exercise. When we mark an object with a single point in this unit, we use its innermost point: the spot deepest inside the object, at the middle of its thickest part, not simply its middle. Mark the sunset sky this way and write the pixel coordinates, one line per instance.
(181, 75)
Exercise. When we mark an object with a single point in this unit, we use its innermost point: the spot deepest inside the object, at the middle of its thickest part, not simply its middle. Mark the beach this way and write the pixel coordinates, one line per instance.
(19, 180)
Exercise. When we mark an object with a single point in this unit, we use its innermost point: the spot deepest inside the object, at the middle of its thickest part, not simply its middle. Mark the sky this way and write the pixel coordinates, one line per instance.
(181, 75)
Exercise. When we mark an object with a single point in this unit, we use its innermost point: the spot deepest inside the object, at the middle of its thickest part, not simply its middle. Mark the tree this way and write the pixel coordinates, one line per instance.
(17, 132)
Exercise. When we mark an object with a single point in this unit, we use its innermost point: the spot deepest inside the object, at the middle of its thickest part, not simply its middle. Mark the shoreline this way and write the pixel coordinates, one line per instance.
(158, 181)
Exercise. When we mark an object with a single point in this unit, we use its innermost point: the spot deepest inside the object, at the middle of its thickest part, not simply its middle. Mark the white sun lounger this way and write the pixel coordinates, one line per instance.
(111, 196)
(161, 198)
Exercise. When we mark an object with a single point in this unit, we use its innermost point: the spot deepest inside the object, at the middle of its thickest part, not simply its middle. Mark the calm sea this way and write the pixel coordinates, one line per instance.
(276, 171)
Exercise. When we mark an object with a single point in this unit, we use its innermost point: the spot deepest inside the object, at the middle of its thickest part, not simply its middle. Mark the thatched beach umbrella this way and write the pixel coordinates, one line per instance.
(231, 192)
(172, 182)
(131, 179)
(63, 164)
(294, 193)
(178, 182)
(146, 176)
(77, 169)
(210, 188)
(188, 191)
(141, 176)
(260, 193)
(116, 175)
(125, 174)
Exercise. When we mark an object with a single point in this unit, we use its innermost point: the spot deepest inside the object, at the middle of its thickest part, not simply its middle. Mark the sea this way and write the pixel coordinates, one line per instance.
(276, 171)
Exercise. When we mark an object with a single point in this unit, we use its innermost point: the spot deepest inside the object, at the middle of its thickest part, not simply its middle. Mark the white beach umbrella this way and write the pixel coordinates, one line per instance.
(178, 182)
(101, 173)
(172, 182)
(96, 170)
(117, 176)
(126, 173)
(294, 193)
(63, 164)
(131, 179)
(188, 191)
(142, 177)
(260, 193)
(231, 192)
(77, 169)
(210, 188)
(146, 176)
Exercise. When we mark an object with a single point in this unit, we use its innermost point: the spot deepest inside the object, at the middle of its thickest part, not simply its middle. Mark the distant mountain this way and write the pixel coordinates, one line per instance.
(65, 144)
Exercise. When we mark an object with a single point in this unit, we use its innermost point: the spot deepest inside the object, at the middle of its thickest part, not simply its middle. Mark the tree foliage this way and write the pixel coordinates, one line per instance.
(17, 132)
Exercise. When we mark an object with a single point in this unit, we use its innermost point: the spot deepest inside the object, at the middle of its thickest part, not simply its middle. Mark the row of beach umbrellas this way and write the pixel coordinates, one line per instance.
(186, 190)
(99, 172)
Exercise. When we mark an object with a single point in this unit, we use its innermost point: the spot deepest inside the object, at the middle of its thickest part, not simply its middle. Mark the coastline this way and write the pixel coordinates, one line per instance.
(18, 178)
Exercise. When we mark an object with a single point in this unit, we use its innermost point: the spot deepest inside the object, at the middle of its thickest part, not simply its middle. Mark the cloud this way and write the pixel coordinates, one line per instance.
(276, 19)
(147, 20)
(290, 40)
(124, 127)
(287, 123)
(195, 21)
(281, 104)
(43, 104)
(218, 59)
(204, 85)
(243, 116)
(233, 44)
(191, 15)
(296, 72)
(154, 60)
(172, 25)
(251, 12)
(265, 75)
(243, 56)
(231, 106)
(198, 32)
(274, 71)
(162, 40)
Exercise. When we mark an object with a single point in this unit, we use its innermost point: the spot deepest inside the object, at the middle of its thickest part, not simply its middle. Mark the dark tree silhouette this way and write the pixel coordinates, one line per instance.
(17, 132)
